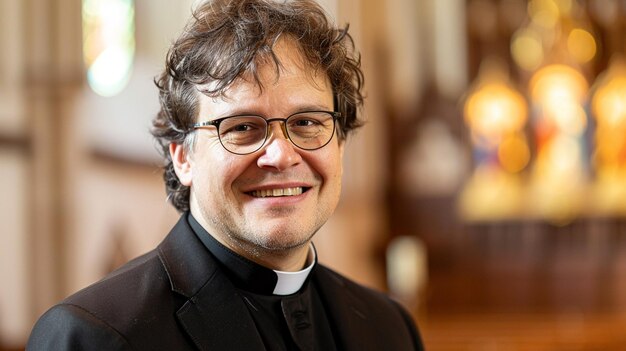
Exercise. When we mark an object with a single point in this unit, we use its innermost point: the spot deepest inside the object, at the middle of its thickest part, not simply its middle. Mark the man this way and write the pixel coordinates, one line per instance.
(257, 99)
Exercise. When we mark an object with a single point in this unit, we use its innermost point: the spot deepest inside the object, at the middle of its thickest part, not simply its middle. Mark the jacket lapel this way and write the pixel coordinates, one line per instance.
(346, 312)
(214, 315)
(217, 319)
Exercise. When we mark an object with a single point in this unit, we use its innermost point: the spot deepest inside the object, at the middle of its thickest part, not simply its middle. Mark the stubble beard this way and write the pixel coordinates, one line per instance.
(240, 235)
(258, 242)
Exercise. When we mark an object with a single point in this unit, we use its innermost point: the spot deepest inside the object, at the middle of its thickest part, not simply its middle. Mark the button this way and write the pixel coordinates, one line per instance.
(301, 320)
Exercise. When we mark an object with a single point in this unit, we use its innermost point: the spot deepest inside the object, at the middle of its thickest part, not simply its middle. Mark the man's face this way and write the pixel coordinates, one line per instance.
(225, 186)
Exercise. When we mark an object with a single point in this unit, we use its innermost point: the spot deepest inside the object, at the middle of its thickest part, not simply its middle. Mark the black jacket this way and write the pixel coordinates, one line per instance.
(177, 298)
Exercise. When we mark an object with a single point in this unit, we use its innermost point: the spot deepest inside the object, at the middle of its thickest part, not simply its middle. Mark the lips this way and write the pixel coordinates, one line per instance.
(278, 192)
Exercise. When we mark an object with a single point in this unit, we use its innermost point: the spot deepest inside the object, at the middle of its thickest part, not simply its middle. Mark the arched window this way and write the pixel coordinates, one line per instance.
(108, 44)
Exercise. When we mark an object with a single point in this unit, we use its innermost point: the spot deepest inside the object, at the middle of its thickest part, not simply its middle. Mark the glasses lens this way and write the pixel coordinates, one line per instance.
(242, 134)
(310, 130)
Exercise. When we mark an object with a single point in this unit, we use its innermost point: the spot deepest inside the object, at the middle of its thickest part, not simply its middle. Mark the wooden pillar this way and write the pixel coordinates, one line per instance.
(41, 70)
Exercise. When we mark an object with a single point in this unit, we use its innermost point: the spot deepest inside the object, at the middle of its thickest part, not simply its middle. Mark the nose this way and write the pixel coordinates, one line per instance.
(279, 153)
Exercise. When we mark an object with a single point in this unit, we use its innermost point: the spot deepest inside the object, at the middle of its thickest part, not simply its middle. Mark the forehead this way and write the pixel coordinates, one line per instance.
(284, 75)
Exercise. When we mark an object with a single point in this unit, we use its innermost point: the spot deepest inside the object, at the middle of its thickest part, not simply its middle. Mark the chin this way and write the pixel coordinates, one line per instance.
(283, 239)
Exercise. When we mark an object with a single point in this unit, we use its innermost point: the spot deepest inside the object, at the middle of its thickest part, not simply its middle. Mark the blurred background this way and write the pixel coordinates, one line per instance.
(487, 191)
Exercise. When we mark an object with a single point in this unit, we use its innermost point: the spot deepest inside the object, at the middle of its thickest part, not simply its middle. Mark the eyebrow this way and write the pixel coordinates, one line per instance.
(301, 108)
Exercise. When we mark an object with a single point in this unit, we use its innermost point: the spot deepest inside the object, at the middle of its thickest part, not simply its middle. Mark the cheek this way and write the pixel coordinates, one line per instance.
(340, 166)
(208, 170)
(337, 158)
(339, 177)
(330, 166)
(227, 171)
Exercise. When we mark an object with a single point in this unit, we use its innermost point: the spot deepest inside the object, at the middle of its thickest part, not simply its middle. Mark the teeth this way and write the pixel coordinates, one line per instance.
(277, 192)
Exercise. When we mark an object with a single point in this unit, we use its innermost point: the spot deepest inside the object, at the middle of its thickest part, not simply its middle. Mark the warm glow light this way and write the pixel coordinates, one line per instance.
(491, 194)
(610, 150)
(108, 44)
(570, 118)
(581, 45)
(555, 49)
(609, 103)
(558, 94)
(556, 200)
(513, 153)
(565, 6)
(565, 155)
(558, 158)
(609, 108)
(558, 179)
(544, 13)
(494, 110)
(527, 49)
(554, 85)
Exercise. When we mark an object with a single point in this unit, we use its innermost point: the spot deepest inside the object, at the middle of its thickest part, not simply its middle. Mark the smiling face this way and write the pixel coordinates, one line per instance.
(266, 205)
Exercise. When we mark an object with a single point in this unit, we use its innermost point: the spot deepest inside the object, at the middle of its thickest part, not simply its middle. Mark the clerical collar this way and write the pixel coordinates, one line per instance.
(249, 275)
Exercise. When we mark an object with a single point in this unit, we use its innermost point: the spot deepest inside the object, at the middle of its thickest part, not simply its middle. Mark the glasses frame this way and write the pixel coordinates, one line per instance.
(216, 123)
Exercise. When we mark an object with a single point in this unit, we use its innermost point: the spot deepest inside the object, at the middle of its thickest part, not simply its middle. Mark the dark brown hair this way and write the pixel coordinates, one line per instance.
(226, 39)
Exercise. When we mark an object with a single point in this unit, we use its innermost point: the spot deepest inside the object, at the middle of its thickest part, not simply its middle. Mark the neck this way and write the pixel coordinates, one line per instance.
(290, 259)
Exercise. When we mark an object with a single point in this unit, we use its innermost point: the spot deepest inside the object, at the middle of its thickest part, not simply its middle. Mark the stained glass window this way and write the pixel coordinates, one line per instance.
(108, 44)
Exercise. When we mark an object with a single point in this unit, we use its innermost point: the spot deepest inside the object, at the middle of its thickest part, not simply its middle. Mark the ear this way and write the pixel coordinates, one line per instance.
(182, 166)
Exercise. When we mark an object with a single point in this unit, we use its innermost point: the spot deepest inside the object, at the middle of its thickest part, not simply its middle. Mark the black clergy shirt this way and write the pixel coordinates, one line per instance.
(284, 322)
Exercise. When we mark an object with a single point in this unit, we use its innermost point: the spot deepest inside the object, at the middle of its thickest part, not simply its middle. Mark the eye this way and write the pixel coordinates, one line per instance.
(241, 128)
(308, 120)
(241, 125)
(304, 122)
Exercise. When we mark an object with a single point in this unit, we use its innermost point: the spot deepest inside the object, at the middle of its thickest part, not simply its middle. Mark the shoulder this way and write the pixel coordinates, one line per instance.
(380, 317)
(71, 327)
(122, 308)
(123, 289)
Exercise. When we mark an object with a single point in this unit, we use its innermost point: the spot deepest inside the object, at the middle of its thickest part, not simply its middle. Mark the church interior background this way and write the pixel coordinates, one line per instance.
(487, 191)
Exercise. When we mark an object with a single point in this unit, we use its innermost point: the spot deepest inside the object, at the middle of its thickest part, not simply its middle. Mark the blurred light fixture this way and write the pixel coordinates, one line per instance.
(609, 109)
(544, 13)
(494, 110)
(608, 106)
(496, 114)
(527, 49)
(581, 45)
(555, 85)
(558, 94)
(552, 49)
(513, 153)
(609, 100)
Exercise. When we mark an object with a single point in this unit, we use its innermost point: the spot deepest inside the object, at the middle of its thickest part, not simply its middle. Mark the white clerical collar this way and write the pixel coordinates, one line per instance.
(290, 282)
(249, 275)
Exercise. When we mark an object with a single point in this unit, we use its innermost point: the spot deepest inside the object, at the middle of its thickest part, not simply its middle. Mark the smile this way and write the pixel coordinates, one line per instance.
(278, 192)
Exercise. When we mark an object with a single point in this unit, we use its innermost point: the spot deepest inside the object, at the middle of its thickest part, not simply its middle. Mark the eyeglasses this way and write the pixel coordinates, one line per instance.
(245, 134)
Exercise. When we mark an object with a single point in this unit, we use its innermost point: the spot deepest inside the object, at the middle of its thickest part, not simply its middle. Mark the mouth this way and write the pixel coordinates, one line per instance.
(278, 192)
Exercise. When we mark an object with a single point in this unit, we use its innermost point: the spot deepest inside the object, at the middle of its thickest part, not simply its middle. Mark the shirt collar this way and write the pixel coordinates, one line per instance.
(249, 275)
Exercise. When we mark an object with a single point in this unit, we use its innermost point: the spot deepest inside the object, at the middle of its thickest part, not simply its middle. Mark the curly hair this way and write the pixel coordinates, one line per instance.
(226, 39)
